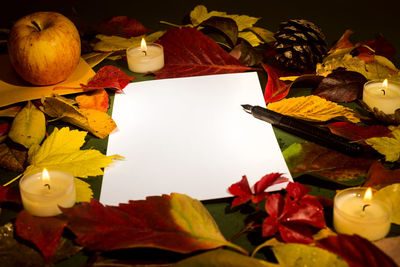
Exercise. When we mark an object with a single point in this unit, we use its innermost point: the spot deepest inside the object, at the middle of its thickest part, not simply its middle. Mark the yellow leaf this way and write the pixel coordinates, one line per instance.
(61, 151)
(199, 14)
(11, 111)
(390, 147)
(94, 58)
(312, 108)
(391, 193)
(263, 34)
(28, 127)
(116, 43)
(96, 122)
(251, 38)
(83, 191)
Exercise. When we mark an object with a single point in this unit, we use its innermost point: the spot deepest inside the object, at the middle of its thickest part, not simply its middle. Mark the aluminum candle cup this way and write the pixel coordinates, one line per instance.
(383, 95)
(145, 59)
(41, 197)
(354, 215)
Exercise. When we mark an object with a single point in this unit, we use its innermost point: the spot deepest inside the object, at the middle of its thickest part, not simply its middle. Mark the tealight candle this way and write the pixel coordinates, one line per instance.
(146, 58)
(356, 212)
(385, 96)
(42, 193)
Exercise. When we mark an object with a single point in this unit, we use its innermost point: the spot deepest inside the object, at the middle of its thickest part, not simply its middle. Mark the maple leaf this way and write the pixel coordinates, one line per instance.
(293, 217)
(109, 77)
(188, 52)
(356, 132)
(243, 192)
(356, 251)
(378, 175)
(96, 99)
(61, 150)
(390, 147)
(45, 233)
(122, 26)
(173, 222)
(312, 108)
(83, 191)
(312, 159)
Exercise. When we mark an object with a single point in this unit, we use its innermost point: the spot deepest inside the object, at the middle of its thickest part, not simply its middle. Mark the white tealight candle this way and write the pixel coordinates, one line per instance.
(385, 96)
(42, 193)
(146, 58)
(353, 213)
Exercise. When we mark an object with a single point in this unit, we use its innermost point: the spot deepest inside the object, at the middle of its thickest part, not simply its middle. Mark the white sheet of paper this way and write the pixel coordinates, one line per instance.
(191, 136)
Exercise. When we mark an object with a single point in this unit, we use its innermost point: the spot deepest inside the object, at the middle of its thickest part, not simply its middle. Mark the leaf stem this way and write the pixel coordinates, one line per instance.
(246, 228)
(12, 180)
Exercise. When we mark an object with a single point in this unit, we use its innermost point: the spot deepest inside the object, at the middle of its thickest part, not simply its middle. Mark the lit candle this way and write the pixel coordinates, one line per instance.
(42, 193)
(146, 58)
(385, 96)
(356, 212)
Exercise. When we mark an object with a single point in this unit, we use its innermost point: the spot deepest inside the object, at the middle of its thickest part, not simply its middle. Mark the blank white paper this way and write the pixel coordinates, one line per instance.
(190, 136)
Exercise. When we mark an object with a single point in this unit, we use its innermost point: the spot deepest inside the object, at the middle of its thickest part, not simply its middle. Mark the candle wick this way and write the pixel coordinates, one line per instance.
(384, 92)
(48, 186)
(366, 205)
(145, 53)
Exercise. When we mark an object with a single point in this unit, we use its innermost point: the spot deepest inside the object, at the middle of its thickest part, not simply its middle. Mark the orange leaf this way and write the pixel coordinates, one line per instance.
(97, 99)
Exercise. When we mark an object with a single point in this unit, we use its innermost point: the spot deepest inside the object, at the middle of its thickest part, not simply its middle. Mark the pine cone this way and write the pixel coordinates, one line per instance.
(300, 45)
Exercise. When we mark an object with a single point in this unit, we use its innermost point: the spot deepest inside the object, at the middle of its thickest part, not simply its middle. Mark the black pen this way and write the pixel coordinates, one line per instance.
(305, 130)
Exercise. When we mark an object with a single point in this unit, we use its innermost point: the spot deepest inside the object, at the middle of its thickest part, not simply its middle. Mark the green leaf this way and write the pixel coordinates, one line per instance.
(222, 257)
(304, 255)
(28, 127)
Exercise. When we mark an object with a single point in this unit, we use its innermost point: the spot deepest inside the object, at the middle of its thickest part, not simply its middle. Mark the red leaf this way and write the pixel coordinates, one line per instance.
(274, 205)
(297, 190)
(265, 182)
(343, 42)
(242, 190)
(378, 175)
(122, 26)
(45, 233)
(356, 251)
(4, 128)
(381, 46)
(275, 89)
(109, 77)
(188, 52)
(270, 226)
(294, 233)
(9, 194)
(355, 132)
(308, 211)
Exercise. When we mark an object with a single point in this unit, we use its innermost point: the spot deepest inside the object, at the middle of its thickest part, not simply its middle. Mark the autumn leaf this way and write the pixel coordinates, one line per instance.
(188, 52)
(61, 151)
(356, 132)
(341, 86)
(83, 191)
(10, 111)
(96, 99)
(94, 58)
(379, 176)
(96, 122)
(122, 26)
(173, 222)
(109, 77)
(390, 245)
(275, 89)
(28, 127)
(390, 147)
(45, 233)
(313, 108)
(391, 194)
(356, 251)
(10, 194)
(12, 158)
(312, 159)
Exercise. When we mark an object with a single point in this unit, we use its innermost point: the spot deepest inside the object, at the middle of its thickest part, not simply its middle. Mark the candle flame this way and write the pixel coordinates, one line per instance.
(368, 194)
(45, 177)
(385, 84)
(143, 45)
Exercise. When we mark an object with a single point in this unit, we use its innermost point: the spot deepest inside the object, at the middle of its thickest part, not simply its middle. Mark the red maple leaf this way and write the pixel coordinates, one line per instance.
(9, 194)
(243, 192)
(275, 89)
(294, 215)
(356, 251)
(122, 26)
(44, 232)
(188, 52)
(109, 77)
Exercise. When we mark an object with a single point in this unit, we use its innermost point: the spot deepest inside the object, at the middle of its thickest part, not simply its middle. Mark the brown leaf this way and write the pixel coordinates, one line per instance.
(390, 246)
(12, 158)
(122, 26)
(378, 175)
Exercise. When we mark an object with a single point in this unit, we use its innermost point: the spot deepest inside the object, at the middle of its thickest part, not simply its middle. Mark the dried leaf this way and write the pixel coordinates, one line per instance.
(303, 255)
(94, 58)
(265, 35)
(96, 99)
(356, 132)
(28, 127)
(12, 158)
(312, 108)
(341, 86)
(122, 26)
(390, 246)
(83, 191)
(390, 147)
(356, 250)
(61, 150)
(391, 193)
(176, 222)
(11, 111)
(96, 122)
(188, 52)
(379, 176)
(312, 159)
(109, 77)
(225, 25)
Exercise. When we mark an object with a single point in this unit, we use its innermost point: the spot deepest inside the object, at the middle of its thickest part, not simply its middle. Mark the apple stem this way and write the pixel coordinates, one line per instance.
(36, 25)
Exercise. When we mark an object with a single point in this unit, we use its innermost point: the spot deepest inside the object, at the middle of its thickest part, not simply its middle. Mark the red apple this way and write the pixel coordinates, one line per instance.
(44, 48)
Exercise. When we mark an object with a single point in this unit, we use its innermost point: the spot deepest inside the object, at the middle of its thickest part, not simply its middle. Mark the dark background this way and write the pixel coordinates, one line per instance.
(365, 18)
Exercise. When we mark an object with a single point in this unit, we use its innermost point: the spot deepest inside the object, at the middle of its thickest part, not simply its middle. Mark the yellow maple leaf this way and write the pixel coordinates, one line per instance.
(83, 191)
(61, 151)
(96, 122)
(313, 108)
(390, 147)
